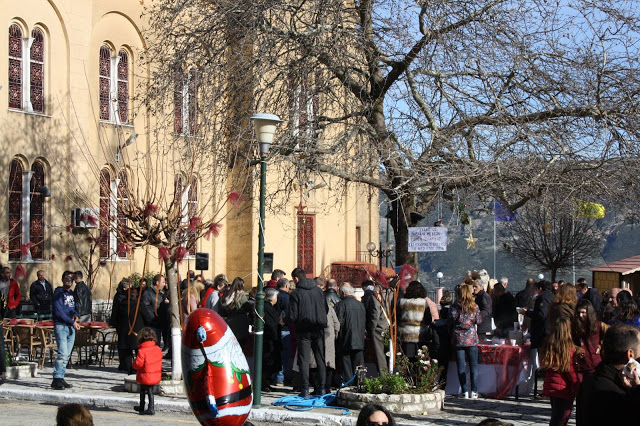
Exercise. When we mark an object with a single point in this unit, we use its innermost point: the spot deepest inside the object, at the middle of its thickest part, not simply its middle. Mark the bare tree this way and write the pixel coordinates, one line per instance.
(552, 238)
(428, 100)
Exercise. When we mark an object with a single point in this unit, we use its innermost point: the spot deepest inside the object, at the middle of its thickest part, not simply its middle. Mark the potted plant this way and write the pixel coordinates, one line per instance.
(19, 369)
(413, 389)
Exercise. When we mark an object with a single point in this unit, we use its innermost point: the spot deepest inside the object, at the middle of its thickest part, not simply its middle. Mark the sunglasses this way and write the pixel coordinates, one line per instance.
(66, 280)
(377, 424)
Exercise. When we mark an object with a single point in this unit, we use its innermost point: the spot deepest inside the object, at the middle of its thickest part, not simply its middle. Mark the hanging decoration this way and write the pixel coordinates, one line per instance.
(471, 241)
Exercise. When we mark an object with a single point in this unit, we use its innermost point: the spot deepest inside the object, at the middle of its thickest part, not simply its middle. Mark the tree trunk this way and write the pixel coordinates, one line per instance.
(174, 312)
(401, 220)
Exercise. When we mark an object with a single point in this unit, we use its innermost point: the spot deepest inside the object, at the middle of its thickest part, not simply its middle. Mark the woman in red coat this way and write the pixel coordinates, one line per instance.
(562, 379)
(148, 364)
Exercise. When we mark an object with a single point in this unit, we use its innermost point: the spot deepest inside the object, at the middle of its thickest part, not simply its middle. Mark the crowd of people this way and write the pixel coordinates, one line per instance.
(316, 330)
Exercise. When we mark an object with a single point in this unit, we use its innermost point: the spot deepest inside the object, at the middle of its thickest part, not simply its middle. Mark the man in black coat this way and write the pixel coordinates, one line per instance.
(539, 323)
(504, 311)
(41, 294)
(483, 300)
(154, 306)
(376, 323)
(82, 294)
(350, 344)
(607, 397)
(308, 311)
(590, 294)
(331, 293)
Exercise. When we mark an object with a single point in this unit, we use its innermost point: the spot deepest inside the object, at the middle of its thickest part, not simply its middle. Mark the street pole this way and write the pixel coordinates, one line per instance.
(265, 127)
(259, 322)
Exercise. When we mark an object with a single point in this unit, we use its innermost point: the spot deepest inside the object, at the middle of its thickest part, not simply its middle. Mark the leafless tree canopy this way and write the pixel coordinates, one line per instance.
(428, 99)
(553, 238)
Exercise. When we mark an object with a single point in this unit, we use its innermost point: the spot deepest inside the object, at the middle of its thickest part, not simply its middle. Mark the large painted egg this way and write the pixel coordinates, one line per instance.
(216, 373)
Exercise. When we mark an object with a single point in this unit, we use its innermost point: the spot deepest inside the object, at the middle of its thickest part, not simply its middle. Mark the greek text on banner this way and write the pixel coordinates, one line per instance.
(428, 239)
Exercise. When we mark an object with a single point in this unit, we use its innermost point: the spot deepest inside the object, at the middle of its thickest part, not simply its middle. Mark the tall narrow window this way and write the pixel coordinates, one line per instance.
(192, 103)
(178, 189)
(185, 103)
(304, 105)
(306, 243)
(123, 87)
(15, 209)
(123, 207)
(105, 214)
(15, 67)
(192, 211)
(37, 71)
(105, 83)
(36, 219)
(178, 96)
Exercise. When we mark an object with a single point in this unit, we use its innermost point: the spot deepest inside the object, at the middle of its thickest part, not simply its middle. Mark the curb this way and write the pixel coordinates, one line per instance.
(264, 414)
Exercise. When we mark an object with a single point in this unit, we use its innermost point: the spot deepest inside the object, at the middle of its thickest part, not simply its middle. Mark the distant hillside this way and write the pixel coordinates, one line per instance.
(620, 241)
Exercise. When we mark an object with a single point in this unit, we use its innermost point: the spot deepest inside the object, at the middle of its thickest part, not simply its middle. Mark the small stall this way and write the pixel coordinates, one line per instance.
(623, 273)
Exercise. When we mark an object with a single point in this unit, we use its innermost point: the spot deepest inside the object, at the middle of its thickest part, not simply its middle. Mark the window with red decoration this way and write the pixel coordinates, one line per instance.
(306, 243)
(104, 241)
(37, 71)
(123, 87)
(26, 70)
(37, 210)
(192, 211)
(15, 67)
(123, 207)
(15, 209)
(105, 83)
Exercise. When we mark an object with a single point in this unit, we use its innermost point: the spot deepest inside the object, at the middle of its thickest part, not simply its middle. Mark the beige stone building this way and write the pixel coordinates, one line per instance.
(69, 121)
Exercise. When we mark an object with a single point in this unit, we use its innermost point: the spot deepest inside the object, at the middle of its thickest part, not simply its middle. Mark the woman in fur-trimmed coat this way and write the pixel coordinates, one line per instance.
(414, 328)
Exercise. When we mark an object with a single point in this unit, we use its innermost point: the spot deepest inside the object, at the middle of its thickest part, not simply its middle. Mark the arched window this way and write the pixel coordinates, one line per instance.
(192, 211)
(123, 207)
(37, 205)
(123, 87)
(15, 209)
(105, 214)
(105, 83)
(178, 98)
(15, 67)
(37, 71)
(178, 189)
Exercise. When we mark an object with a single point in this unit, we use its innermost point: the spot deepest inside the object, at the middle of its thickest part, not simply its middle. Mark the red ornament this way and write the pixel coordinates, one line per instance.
(24, 248)
(92, 220)
(20, 272)
(69, 258)
(52, 257)
(214, 228)
(194, 224)
(150, 210)
(163, 253)
(123, 248)
(235, 198)
(180, 253)
(216, 373)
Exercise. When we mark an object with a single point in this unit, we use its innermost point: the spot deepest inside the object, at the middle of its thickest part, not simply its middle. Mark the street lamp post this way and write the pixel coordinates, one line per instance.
(439, 275)
(265, 127)
(380, 254)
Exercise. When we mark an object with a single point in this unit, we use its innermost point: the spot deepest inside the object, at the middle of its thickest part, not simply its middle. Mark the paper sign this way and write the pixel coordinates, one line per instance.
(428, 239)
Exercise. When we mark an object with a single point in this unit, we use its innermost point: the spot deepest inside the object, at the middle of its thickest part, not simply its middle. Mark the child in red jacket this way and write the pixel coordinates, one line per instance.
(149, 368)
(562, 377)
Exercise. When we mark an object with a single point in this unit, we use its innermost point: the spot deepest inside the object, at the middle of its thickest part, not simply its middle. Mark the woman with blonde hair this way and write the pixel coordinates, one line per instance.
(561, 380)
(465, 315)
(191, 298)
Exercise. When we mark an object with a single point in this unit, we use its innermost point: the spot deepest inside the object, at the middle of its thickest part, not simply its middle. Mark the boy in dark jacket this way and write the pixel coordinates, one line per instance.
(65, 324)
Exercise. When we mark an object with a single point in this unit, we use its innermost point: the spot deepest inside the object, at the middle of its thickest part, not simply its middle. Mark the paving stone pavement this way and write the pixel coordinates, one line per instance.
(104, 387)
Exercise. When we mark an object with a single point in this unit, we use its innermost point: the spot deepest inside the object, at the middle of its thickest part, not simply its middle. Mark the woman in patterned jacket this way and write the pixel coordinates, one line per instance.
(465, 315)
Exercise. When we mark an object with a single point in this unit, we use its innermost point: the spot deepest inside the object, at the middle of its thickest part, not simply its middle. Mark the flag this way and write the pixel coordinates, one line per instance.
(501, 213)
(590, 210)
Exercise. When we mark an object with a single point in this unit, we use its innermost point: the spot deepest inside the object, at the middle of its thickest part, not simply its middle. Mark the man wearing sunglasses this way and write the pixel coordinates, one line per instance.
(65, 324)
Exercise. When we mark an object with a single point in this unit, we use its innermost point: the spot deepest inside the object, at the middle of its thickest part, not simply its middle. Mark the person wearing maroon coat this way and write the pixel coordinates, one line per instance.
(148, 364)
(562, 378)
(10, 292)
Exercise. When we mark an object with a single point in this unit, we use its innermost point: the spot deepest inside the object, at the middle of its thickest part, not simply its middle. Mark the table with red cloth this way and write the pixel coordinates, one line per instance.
(501, 370)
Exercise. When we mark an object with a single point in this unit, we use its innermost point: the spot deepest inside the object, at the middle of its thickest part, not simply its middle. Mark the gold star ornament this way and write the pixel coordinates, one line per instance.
(471, 242)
